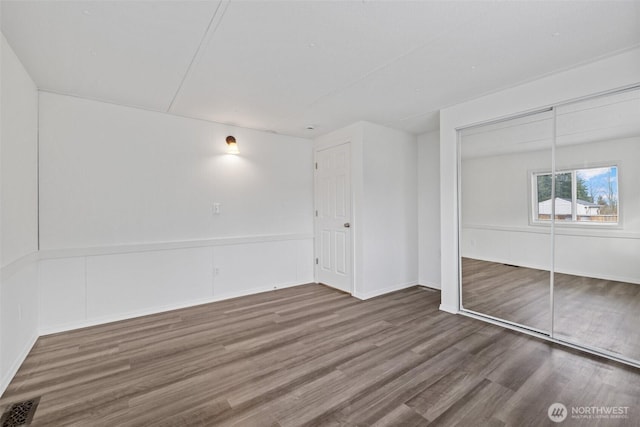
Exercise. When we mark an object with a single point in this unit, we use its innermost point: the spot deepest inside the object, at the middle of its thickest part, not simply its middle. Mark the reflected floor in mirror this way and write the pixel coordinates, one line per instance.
(598, 313)
(590, 312)
(517, 294)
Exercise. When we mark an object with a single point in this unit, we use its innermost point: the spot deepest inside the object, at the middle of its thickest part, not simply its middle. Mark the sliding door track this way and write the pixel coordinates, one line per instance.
(547, 337)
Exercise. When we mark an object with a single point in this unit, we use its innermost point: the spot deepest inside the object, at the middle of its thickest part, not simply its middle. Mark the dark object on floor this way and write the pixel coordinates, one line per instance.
(20, 414)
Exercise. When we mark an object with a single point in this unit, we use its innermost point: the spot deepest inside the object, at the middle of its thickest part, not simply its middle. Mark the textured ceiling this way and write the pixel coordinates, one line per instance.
(283, 66)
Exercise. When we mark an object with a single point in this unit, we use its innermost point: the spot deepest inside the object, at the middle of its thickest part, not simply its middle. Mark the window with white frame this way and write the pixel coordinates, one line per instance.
(587, 195)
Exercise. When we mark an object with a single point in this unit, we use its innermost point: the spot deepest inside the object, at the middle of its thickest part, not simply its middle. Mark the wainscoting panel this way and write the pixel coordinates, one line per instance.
(18, 318)
(126, 284)
(245, 269)
(81, 291)
(63, 291)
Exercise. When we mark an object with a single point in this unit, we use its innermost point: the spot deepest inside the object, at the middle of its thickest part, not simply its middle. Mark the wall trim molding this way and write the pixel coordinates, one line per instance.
(7, 271)
(383, 291)
(430, 285)
(16, 265)
(17, 363)
(602, 231)
(449, 309)
(170, 245)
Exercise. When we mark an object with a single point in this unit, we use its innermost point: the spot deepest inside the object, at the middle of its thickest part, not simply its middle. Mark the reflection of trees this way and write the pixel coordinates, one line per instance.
(610, 205)
(583, 191)
(563, 187)
(607, 198)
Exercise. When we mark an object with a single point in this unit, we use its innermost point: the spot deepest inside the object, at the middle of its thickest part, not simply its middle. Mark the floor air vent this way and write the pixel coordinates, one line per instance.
(20, 414)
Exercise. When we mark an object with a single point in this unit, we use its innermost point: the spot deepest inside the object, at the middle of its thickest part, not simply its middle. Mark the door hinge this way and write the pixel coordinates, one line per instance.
(316, 213)
(316, 165)
(316, 261)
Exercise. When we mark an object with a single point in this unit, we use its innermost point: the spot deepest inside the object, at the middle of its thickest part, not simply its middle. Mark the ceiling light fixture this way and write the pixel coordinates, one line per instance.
(310, 127)
(232, 145)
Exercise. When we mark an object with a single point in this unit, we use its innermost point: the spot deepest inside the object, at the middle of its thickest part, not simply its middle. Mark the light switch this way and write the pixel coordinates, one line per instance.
(216, 208)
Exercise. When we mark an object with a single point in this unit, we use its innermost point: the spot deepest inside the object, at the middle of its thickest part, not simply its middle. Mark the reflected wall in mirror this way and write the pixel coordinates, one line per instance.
(505, 256)
(597, 237)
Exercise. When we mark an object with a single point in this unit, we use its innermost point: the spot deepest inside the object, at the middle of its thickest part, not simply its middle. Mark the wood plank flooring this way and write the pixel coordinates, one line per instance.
(311, 355)
(593, 312)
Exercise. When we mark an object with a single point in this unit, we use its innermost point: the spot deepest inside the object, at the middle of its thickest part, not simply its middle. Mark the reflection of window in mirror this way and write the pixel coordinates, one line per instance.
(586, 196)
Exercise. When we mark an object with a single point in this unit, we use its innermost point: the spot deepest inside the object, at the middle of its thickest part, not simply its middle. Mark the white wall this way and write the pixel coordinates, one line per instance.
(18, 214)
(127, 225)
(390, 210)
(19, 159)
(613, 72)
(384, 206)
(113, 175)
(429, 209)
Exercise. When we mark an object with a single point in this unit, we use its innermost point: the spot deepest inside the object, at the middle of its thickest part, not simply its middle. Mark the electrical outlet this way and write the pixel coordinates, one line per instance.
(216, 271)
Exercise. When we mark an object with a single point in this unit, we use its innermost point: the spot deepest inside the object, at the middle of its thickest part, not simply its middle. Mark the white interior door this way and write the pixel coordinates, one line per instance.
(333, 217)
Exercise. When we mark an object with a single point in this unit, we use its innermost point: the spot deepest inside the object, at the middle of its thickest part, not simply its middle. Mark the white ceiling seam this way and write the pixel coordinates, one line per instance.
(208, 34)
(285, 66)
(132, 52)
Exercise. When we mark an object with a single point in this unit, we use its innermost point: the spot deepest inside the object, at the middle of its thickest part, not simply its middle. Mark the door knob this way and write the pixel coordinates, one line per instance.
(347, 225)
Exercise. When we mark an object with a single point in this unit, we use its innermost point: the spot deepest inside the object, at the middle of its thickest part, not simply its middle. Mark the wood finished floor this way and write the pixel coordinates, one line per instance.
(598, 313)
(311, 355)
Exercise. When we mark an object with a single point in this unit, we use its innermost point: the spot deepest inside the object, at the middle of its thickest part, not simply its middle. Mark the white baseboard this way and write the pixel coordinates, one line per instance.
(430, 285)
(378, 292)
(13, 369)
(449, 309)
(254, 291)
(160, 309)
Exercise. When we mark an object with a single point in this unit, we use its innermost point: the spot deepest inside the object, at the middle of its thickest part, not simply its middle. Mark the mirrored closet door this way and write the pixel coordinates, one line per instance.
(597, 230)
(549, 216)
(505, 259)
